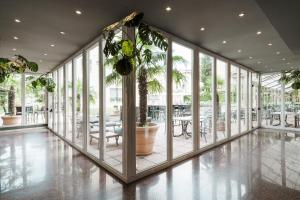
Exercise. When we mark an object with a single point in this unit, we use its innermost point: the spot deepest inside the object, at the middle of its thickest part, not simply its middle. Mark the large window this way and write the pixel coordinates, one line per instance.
(61, 122)
(255, 99)
(55, 102)
(234, 75)
(50, 107)
(151, 147)
(35, 110)
(78, 101)
(93, 134)
(10, 100)
(221, 100)
(244, 101)
(182, 100)
(206, 101)
(69, 102)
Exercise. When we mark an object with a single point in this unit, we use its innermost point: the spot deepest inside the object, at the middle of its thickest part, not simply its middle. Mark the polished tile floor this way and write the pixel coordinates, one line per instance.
(261, 165)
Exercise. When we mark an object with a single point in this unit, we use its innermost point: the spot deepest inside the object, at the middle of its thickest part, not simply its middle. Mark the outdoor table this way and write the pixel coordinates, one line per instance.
(185, 121)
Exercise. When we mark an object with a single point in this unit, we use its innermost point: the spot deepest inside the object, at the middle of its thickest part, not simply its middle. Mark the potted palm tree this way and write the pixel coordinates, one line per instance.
(136, 54)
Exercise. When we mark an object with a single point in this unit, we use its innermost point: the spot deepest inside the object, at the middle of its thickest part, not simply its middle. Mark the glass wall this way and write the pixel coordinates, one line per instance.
(244, 100)
(255, 99)
(205, 97)
(291, 106)
(234, 75)
(69, 102)
(78, 101)
(221, 100)
(93, 133)
(50, 107)
(10, 100)
(151, 143)
(174, 129)
(113, 115)
(61, 93)
(182, 100)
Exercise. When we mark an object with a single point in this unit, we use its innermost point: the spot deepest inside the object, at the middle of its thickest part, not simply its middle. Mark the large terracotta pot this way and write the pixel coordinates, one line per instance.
(145, 138)
(11, 120)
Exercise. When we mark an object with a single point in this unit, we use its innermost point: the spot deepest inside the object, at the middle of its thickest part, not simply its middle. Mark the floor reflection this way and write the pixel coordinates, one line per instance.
(261, 165)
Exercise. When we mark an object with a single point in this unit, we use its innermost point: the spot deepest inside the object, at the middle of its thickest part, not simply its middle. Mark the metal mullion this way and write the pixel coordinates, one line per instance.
(129, 119)
(214, 96)
(282, 107)
(58, 101)
(251, 101)
(85, 99)
(238, 112)
(195, 101)
(247, 102)
(169, 102)
(23, 117)
(227, 100)
(53, 109)
(73, 101)
(259, 102)
(101, 103)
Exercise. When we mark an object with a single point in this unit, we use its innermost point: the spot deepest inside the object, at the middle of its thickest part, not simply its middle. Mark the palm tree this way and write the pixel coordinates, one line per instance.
(147, 77)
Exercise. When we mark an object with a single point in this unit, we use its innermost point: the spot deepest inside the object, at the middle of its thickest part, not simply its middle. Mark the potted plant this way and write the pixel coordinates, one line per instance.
(136, 54)
(293, 77)
(18, 66)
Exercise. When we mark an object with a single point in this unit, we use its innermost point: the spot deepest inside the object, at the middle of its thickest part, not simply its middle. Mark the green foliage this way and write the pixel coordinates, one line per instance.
(291, 76)
(19, 65)
(42, 82)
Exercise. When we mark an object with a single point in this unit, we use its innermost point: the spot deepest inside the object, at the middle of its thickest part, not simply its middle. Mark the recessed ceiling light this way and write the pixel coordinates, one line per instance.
(63, 33)
(40, 60)
(250, 57)
(52, 45)
(14, 49)
(258, 62)
(283, 59)
(278, 52)
(270, 44)
(241, 14)
(240, 50)
(16, 38)
(258, 33)
(202, 29)
(288, 63)
(224, 41)
(17, 20)
(13, 57)
(168, 8)
(45, 54)
(78, 12)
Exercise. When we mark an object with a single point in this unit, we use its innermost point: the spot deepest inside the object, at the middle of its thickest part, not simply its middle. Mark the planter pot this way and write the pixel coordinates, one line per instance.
(220, 126)
(11, 120)
(145, 138)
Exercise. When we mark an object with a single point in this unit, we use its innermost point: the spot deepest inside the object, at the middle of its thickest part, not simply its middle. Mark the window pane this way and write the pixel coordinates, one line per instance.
(244, 105)
(206, 103)
(93, 101)
(182, 100)
(113, 119)
(79, 113)
(69, 105)
(221, 101)
(234, 100)
(151, 142)
(61, 109)
(50, 107)
(10, 100)
(55, 102)
(35, 112)
(254, 99)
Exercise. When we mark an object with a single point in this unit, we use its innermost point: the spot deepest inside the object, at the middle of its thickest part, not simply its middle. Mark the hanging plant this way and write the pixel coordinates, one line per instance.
(291, 76)
(20, 65)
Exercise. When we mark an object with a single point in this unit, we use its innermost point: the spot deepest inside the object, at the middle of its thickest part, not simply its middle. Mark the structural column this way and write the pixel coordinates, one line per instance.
(195, 101)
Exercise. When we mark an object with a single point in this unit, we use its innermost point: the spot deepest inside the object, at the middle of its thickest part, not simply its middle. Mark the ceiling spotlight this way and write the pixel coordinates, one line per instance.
(14, 49)
(278, 52)
(17, 20)
(239, 50)
(63, 33)
(78, 12)
(52, 45)
(45, 54)
(250, 57)
(258, 62)
(258, 33)
(283, 59)
(16, 38)
(40, 60)
(224, 41)
(270, 44)
(202, 29)
(241, 14)
(168, 8)
(288, 63)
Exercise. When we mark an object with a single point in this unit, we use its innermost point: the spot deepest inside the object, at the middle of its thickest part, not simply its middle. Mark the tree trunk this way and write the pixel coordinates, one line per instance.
(11, 100)
(143, 92)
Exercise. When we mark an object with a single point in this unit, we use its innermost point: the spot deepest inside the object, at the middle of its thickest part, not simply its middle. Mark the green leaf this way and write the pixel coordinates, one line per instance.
(147, 55)
(32, 66)
(127, 47)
